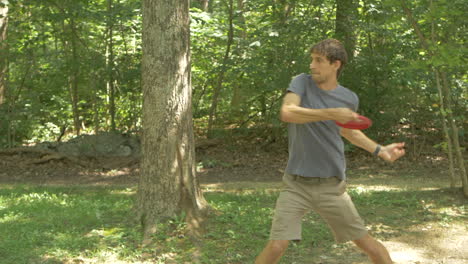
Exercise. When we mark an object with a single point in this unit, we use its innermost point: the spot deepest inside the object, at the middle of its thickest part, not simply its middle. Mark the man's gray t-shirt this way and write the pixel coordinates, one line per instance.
(316, 149)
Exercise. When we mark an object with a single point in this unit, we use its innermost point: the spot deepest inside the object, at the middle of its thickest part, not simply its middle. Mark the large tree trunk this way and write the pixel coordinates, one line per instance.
(3, 50)
(168, 184)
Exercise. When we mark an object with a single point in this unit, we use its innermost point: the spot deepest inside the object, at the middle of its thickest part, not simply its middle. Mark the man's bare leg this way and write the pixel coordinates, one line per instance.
(272, 252)
(374, 249)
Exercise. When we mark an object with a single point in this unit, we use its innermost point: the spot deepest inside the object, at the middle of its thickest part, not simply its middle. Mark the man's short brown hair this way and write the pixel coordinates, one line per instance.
(333, 50)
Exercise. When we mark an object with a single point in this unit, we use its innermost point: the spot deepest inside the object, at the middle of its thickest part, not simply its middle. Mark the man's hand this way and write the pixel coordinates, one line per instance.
(344, 115)
(392, 152)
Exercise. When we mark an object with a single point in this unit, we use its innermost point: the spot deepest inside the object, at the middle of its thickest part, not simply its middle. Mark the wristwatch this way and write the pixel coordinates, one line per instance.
(377, 150)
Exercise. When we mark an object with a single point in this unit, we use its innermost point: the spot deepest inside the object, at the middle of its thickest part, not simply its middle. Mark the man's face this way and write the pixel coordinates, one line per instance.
(321, 69)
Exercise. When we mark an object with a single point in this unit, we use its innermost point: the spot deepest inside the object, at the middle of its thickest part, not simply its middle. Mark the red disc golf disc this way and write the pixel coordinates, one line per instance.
(360, 124)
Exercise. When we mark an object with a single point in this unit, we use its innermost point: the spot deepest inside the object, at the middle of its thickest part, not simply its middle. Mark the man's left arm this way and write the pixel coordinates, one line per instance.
(389, 153)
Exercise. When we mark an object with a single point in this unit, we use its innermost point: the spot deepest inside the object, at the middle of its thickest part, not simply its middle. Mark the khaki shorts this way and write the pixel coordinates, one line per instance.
(325, 196)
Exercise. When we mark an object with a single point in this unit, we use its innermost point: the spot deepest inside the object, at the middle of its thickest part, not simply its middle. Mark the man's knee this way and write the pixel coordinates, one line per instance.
(272, 252)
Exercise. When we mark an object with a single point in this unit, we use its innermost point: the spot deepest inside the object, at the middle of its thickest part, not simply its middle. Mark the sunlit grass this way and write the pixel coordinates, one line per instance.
(92, 224)
(55, 222)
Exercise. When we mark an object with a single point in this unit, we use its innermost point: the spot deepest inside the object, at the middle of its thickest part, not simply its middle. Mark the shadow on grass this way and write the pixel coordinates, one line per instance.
(244, 223)
(55, 224)
(418, 219)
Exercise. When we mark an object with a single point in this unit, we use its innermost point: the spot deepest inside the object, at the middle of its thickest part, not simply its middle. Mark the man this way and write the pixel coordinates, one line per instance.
(315, 175)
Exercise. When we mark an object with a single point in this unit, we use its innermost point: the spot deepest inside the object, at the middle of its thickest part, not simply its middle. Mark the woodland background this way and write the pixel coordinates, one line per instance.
(71, 121)
(73, 67)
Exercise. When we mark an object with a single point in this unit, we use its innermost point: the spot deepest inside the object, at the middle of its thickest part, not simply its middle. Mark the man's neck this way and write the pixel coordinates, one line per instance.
(328, 86)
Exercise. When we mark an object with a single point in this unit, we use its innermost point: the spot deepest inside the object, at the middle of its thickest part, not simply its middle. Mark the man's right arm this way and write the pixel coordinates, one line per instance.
(292, 112)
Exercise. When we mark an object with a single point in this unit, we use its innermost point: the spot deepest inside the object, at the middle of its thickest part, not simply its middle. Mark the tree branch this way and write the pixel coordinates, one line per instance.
(416, 28)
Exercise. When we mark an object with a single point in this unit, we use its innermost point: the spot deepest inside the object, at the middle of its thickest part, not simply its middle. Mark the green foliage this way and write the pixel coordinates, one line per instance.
(48, 41)
(42, 56)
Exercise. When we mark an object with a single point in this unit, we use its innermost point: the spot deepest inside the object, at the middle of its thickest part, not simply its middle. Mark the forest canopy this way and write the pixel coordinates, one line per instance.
(73, 67)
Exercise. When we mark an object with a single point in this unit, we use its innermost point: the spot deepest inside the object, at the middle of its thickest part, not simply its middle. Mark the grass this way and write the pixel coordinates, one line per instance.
(60, 224)
(51, 224)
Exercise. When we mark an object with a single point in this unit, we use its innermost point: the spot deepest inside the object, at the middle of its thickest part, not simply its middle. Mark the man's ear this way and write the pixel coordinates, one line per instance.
(337, 64)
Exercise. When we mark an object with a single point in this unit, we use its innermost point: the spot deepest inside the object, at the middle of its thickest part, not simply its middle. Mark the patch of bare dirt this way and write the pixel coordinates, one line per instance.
(22, 169)
(217, 162)
(431, 244)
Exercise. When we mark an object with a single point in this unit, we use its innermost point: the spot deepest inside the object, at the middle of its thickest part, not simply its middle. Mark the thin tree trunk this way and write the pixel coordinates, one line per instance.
(73, 78)
(455, 135)
(11, 108)
(219, 84)
(110, 64)
(284, 10)
(5, 118)
(240, 9)
(237, 87)
(453, 178)
(205, 4)
(94, 86)
(446, 130)
(237, 98)
(73, 61)
(168, 184)
(3, 50)
(416, 28)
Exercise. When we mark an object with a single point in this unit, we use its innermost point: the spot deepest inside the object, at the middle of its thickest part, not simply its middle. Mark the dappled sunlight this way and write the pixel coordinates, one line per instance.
(382, 230)
(243, 187)
(424, 243)
(55, 223)
(12, 218)
(455, 241)
(7, 186)
(105, 256)
(363, 188)
(430, 189)
(127, 191)
(416, 225)
(106, 173)
(401, 253)
(452, 211)
(114, 232)
(404, 182)
(101, 177)
(357, 185)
